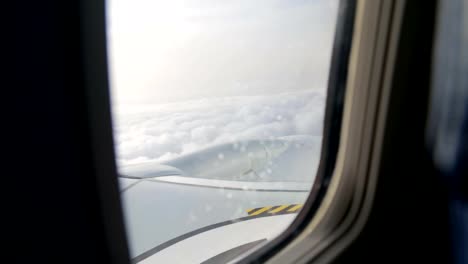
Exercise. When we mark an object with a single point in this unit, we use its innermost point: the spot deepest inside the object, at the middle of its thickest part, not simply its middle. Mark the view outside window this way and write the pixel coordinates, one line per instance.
(218, 111)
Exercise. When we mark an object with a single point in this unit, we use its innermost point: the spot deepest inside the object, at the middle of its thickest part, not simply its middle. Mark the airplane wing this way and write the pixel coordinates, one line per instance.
(177, 212)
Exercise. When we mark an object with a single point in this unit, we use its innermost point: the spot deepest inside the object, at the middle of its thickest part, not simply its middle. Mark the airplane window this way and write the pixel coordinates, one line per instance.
(218, 111)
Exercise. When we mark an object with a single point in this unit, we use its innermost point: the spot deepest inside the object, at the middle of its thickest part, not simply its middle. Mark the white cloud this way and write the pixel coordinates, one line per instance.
(165, 131)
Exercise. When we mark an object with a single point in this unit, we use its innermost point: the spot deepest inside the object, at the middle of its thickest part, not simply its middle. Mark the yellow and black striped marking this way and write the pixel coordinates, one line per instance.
(274, 210)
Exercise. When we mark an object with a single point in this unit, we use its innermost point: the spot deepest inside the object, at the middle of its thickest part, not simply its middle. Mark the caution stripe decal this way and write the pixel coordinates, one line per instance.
(274, 210)
(261, 210)
(278, 209)
(295, 208)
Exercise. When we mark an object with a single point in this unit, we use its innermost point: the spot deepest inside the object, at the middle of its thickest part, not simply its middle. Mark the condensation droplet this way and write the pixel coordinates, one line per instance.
(192, 217)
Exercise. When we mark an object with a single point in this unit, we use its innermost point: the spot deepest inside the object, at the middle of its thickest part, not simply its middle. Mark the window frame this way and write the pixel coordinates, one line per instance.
(330, 202)
(95, 74)
(347, 204)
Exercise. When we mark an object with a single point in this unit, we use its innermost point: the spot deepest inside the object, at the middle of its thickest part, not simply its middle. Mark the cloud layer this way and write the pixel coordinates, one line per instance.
(165, 131)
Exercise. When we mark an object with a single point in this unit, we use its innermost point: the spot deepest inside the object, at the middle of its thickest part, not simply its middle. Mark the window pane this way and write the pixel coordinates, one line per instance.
(218, 111)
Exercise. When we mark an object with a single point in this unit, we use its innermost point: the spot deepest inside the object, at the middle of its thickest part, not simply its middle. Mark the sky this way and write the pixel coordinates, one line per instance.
(173, 50)
(188, 74)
